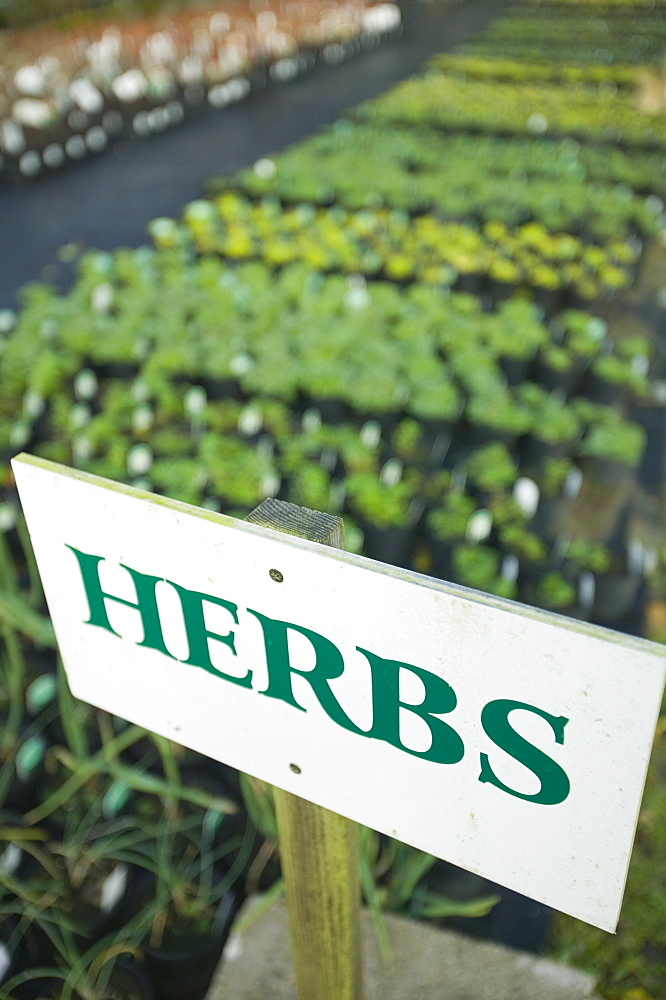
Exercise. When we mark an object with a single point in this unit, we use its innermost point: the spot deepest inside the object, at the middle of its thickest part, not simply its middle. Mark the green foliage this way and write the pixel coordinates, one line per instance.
(477, 566)
(525, 544)
(587, 554)
(497, 106)
(553, 474)
(366, 166)
(555, 593)
(491, 467)
(554, 420)
(386, 506)
(615, 439)
(448, 519)
(630, 965)
(394, 878)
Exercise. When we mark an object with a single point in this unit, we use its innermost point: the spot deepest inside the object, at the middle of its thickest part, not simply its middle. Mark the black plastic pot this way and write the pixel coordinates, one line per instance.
(476, 435)
(551, 300)
(183, 971)
(394, 545)
(552, 378)
(441, 554)
(549, 512)
(128, 981)
(534, 450)
(219, 781)
(28, 951)
(436, 441)
(223, 388)
(95, 920)
(599, 390)
(117, 370)
(470, 282)
(515, 369)
(615, 597)
(515, 920)
(333, 411)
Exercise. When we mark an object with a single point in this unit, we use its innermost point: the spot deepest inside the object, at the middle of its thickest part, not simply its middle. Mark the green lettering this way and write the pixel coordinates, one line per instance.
(198, 634)
(555, 784)
(146, 602)
(328, 665)
(446, 745)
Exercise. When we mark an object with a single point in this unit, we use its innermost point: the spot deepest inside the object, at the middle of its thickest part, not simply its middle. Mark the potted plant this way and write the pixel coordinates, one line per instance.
(556, 369)
(523, 543)
(358, 454)
(446, 525)
(478, 566)
(183, 902)
(516, 338)
(385, 511)
(612, 448)
(586, 554)
(408, 442)
(398, 878)
(555, 428)
(104, 971)
(236, 472)
(310, 486)
(554, 592)
(555, 478)
(613, 379)
(24, 735)
(497, 416)
(617, 593)
(437, 404)
(490, 469)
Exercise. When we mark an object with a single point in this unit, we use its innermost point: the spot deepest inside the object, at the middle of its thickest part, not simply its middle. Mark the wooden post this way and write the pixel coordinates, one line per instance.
(318, 848)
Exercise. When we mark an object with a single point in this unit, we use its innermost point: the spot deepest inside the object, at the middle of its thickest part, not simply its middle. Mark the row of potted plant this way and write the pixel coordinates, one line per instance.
(362, 165)
(387, 243)
(443, 101)
(387, 476)
(326, 389)
(628, 5)
(568, 54)
(418, 151)
(124, 440)
(570, 36)
(519, 70)
(415, 491)
(64, 97)
(294, 336)
(525, 23)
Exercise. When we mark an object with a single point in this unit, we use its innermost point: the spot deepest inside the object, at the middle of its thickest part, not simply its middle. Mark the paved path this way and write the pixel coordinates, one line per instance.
(425, 964)
(107, 201)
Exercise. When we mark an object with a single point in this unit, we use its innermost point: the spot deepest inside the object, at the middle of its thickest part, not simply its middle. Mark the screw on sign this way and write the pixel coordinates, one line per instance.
(506, 740)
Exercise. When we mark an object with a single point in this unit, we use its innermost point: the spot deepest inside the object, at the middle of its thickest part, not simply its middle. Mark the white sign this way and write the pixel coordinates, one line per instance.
(506, 740)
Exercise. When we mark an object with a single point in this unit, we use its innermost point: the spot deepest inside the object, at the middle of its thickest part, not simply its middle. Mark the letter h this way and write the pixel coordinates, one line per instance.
(146, 602)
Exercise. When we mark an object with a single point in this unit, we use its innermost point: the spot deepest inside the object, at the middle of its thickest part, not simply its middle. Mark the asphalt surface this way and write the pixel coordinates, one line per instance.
(108, 200)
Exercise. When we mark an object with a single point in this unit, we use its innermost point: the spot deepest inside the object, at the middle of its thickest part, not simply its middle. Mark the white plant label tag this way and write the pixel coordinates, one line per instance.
(508, 741)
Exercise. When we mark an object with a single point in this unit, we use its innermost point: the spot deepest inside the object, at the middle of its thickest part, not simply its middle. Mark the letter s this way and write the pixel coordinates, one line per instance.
(555, 784)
